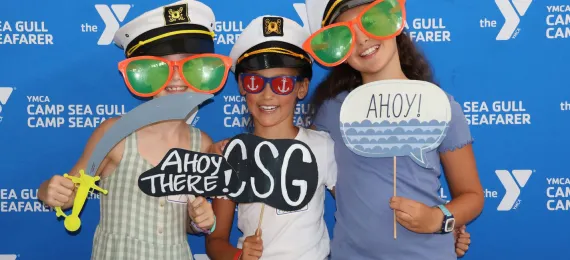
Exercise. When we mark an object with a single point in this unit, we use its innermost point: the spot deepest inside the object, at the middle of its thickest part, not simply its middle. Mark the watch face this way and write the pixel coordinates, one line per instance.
(449, 225)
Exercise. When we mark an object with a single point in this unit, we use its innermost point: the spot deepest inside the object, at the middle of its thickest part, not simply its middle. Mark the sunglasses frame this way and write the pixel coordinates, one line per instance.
(267, 80)
(358, 21)
(227, 61)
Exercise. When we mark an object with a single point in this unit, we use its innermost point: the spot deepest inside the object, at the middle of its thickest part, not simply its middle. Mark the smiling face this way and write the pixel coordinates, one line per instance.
(370, 56)
(269, 109)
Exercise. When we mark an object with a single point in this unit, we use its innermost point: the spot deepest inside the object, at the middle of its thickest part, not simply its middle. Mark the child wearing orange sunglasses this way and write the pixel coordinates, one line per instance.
(363, 42)
(167, 53)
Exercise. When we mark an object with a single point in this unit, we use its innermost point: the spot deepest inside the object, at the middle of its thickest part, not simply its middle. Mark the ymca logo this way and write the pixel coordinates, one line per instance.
(513, 190)
(111, 20)
(5, 93)
(302, 12)
(512, 19)
(193, 119)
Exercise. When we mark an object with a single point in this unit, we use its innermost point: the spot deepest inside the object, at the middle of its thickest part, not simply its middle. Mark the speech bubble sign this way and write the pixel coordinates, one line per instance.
(395, 118)
(281, 173)
(184, 172)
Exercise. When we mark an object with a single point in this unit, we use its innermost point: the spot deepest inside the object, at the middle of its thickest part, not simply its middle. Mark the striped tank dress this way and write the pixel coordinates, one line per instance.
(134, 225)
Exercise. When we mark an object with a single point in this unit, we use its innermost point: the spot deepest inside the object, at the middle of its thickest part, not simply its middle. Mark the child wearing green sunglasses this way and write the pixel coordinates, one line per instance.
(362, 41)
(166, 54)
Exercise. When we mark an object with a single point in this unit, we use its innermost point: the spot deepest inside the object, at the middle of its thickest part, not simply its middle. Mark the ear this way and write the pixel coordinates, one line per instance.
(240, 87)
(303, 88)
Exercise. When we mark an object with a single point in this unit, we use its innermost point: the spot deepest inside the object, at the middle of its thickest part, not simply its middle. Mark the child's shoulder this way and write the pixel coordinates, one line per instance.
(316, 136)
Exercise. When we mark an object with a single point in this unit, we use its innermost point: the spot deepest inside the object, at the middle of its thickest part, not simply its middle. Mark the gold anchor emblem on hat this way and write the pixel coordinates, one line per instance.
(272, 26)
(176, 15)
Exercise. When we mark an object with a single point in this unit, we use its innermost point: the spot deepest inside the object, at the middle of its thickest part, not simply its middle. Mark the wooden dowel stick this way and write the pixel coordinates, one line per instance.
(260, 219)
(395, 196)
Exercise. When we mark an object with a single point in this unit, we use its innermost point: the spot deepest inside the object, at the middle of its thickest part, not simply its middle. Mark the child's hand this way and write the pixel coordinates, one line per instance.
(218, 148)
(416, 216)
(200, 210)
(252, 247)
(462, 241)
(57, 191)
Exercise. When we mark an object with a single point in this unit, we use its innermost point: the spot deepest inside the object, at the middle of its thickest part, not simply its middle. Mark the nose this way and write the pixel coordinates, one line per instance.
(361, 37)
(176, 79)
(267, 93)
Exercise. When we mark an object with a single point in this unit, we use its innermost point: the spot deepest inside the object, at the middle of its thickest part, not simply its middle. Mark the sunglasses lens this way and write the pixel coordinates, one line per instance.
(147, 75)
(283, 85)
(383, 19)
(252, 83)
(332, 44)
(205, 73)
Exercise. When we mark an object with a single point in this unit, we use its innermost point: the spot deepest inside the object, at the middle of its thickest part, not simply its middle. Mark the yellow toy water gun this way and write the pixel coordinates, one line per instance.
(84, 184)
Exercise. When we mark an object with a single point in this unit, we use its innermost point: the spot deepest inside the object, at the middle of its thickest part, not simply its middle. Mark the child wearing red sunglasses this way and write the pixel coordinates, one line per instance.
(362, 41)
(167, 53)
(273, 72)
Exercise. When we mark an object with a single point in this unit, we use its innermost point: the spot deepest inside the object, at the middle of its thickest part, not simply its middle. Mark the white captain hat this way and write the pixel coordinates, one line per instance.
(181, 27)
(321, 13)
(271, 41)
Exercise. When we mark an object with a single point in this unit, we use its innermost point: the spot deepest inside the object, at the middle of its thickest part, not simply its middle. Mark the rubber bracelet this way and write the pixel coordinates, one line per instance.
(204, 230)
(214, 226)
(237, 256)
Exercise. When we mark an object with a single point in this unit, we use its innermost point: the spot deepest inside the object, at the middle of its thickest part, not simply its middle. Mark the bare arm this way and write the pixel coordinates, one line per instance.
(83, 160)
(206, 143)
(218, 245)
(466, 190)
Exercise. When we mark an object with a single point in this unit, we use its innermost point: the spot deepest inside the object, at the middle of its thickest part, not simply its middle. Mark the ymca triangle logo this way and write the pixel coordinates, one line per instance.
(512, 18)
(5, 93)
(513, 184)
(111, 20)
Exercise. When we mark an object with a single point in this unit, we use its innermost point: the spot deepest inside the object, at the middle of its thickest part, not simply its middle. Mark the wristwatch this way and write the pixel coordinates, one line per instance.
(448, 223)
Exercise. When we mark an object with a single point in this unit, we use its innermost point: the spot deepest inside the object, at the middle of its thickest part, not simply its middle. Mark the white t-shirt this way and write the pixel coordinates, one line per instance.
(303, 234)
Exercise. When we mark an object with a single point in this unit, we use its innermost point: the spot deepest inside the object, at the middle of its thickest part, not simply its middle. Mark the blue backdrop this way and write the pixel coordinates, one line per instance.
(59, 79)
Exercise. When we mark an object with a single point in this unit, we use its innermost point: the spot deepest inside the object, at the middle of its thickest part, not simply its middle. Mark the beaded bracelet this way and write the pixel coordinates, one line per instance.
(237, 256)
(204, 230)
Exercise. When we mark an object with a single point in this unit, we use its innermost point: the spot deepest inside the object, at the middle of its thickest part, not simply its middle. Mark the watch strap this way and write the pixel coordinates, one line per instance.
(445, 210)
(446, 216)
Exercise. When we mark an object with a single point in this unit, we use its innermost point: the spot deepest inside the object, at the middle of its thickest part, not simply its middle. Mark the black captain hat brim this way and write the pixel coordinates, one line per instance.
(256, 58)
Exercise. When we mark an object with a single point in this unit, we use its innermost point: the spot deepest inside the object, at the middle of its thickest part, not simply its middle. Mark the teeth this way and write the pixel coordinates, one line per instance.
(178, 88)
(369, 51)
(268, 108)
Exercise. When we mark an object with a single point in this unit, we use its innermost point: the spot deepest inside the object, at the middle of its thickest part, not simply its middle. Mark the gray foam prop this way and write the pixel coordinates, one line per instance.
(170, 107)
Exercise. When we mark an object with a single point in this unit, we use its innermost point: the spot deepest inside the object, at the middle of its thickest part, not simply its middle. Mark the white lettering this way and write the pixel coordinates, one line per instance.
(299, 183)
(275, 154)
(168, 161)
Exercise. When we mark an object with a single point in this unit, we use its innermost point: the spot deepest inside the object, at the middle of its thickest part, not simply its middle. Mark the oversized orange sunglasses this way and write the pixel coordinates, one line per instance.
(147, 76)
(333, 44)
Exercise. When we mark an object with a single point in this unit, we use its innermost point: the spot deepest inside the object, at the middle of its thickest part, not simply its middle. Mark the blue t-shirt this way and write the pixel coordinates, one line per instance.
(364, 221)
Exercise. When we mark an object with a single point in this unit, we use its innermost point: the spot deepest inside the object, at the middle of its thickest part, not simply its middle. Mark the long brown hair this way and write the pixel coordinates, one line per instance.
(345, 78)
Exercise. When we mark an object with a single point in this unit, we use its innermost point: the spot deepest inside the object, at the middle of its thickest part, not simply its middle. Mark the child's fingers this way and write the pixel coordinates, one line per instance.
(198, 211)
(255, 252)
(459, 252)
(464, 240)
(197, 202)
(202, 219)
(462, 246)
